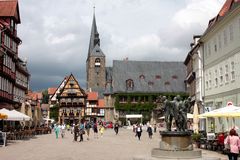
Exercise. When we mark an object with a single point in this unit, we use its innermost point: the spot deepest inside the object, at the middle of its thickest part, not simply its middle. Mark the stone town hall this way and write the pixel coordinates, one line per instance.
(131, 87)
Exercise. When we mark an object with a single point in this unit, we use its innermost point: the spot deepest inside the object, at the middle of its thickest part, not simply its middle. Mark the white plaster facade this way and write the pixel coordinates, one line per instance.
(221, 48)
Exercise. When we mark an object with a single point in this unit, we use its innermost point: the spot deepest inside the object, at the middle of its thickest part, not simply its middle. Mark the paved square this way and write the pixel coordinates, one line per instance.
(109, 147)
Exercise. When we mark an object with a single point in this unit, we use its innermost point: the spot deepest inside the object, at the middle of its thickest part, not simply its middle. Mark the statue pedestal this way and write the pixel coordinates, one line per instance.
(175, 146)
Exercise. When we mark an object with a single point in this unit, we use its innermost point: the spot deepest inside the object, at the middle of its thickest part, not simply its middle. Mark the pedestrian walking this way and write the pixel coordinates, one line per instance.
(56, 130)
(138, 131)
(87, 127)
(155, 128)
(149, 130)
(233, 143)
(116, 127)
(62, 130)
(101, 129)
(81, 130)
(75, 132)
(95, 130)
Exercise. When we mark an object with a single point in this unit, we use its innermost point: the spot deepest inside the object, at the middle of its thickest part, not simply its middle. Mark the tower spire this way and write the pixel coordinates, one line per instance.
(94, 37)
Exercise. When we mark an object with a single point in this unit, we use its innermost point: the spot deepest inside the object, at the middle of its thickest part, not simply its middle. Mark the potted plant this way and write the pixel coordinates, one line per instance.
(196, 137)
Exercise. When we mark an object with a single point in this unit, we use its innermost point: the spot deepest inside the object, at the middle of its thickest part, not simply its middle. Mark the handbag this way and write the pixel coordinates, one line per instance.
(227, 146)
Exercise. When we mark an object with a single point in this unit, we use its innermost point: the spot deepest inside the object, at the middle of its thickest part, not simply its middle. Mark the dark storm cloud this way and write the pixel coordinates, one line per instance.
(55, 33)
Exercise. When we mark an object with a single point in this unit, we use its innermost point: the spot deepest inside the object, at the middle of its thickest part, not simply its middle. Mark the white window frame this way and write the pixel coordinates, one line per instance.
(232, 71)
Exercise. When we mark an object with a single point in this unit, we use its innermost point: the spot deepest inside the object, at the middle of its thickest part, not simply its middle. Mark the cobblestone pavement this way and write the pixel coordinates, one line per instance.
(109, 147)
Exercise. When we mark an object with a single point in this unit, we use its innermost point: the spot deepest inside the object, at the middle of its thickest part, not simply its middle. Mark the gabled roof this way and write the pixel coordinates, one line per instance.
(58, 89)
(101, 103)
(148, 76)
(9, 8)
(35, 95)
(51, 91)
(92, 96)
(228, 6)
(75, 87)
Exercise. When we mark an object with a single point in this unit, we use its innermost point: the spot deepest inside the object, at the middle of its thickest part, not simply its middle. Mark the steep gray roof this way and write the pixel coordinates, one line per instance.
(109, 74)
(108, 89)
(156, 76)
(97, 51)
(94, 37)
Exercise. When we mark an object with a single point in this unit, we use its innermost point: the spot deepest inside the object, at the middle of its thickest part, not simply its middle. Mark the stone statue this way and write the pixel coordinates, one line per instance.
(187, 104)
(169, 112)
(178, 110)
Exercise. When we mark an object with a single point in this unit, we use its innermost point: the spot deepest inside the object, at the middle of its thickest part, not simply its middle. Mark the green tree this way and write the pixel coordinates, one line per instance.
(54, 112)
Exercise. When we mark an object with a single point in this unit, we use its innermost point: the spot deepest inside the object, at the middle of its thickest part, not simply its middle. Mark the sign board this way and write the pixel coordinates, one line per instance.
(229, 103)
(208, 109)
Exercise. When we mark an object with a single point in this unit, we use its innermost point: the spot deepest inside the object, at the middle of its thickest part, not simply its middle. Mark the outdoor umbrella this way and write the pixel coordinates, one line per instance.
(195, 118)
(228, 111)
(3, 116)
(24, 116)
(10, 115)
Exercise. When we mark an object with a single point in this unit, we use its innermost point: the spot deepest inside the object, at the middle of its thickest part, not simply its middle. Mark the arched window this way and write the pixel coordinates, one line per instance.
(97, 62)
(129, 84)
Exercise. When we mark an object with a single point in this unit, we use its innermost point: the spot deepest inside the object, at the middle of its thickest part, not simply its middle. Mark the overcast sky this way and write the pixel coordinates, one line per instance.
(55, 33)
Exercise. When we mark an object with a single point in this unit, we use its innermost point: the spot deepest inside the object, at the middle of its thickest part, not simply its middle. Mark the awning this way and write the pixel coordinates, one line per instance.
(133, 116)
(189, 116)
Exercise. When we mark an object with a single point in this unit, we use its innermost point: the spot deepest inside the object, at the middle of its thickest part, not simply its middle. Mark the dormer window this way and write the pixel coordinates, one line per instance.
(167, 83)
(150, 83)
(97, 62)
(174, 77)
(129, 84)
(142, 77)
(158, 77)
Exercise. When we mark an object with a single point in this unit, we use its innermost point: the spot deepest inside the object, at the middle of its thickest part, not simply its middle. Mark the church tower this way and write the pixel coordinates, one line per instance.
(95, 62)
